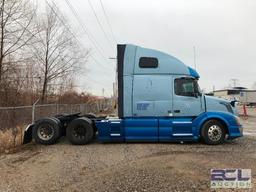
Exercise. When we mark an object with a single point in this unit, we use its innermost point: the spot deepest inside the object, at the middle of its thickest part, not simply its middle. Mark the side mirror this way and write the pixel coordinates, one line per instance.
(233, 103)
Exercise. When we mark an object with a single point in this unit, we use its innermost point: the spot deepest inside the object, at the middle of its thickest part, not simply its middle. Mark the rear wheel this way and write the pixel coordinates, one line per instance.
(46, 131)
(92, 116)
(213, 132)
(80, 131)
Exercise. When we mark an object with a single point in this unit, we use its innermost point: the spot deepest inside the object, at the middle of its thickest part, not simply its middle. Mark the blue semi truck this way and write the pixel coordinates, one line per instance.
(159, 100)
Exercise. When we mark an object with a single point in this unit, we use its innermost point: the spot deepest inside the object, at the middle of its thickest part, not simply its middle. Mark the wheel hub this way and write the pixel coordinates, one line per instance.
(215, 133)
(45, 132)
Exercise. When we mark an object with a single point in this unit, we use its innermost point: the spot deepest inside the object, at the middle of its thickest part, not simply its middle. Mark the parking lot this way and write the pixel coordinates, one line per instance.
(126, 167)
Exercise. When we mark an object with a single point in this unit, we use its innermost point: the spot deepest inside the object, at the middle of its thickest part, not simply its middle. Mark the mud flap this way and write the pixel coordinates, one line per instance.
(28, 134)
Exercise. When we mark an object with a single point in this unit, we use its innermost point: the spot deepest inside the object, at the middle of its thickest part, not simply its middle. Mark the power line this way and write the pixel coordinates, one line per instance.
(108, 22)
(85, 29)
(60, 19)
(81, 86)
(68, 28)
(101, 26)
(99, 83)
(33, 35)
(95, 60)
(74, 37)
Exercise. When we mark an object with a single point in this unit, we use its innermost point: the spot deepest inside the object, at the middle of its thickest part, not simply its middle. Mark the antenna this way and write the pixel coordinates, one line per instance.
(194, 49)
(103, 91)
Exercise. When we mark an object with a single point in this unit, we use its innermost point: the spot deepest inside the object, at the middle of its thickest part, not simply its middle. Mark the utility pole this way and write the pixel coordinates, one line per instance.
(234, 82)
(103, 91)
(113, 90)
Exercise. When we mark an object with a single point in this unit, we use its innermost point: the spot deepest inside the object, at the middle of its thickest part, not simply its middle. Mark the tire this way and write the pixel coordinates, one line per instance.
(46, 131)
(80, 131)
(213, 132)
(92, 116)
(61, 132)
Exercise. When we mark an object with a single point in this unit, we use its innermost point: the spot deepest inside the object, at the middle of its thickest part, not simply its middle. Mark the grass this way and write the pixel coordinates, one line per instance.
(11, 139)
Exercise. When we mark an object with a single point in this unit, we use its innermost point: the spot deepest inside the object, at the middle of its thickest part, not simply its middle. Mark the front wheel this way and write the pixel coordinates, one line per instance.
(213, 132)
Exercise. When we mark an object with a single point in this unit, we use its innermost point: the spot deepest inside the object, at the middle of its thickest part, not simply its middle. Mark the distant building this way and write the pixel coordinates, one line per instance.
(241, 94)
(230, 93)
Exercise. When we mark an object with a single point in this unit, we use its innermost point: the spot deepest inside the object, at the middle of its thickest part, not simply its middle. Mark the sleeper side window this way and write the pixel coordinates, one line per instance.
(185, 87)
(148, 62)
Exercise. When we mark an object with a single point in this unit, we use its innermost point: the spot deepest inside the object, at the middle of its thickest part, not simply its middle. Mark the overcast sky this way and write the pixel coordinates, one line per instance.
(223, 32)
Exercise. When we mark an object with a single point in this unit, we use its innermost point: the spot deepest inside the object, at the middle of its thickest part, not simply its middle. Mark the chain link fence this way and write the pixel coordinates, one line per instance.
(13, 120)
(15, 116)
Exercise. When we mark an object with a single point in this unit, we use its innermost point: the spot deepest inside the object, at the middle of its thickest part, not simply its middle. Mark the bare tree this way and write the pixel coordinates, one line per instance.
(16, 24)
(57, 52)
(16, 17)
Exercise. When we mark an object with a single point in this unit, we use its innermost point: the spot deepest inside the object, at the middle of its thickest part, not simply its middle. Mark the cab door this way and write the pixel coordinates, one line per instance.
(187, 102)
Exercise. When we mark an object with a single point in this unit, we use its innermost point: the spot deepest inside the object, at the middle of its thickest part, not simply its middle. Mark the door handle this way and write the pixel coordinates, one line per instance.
(176, 111)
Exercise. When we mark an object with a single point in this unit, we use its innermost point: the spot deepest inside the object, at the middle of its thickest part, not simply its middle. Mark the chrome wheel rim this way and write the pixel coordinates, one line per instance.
(45, 132)
(215, 133)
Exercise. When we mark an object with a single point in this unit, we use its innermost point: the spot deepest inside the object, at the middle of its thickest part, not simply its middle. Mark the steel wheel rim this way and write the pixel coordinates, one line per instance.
(45, 132)
(79, 132)
(215, 133)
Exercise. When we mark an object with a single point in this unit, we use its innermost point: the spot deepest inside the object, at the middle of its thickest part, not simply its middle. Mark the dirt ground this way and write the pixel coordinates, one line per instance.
(125, 167)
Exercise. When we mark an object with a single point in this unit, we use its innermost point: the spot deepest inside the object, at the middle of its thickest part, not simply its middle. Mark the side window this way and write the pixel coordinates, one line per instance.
(185, 87)
(148, 62)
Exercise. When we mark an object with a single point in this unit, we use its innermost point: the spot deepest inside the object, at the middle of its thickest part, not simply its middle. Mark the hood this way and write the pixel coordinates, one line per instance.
(218, 104)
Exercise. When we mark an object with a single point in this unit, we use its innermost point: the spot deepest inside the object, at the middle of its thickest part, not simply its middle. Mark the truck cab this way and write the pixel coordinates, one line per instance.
(159, 100)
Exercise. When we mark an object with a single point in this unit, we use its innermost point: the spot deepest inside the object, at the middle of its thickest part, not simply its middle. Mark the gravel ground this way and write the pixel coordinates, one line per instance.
(125, 167)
